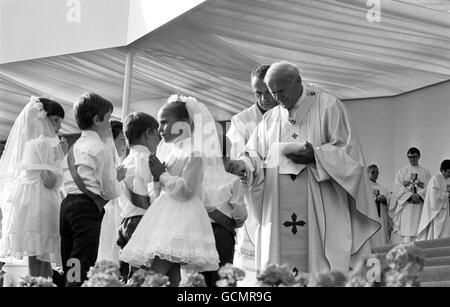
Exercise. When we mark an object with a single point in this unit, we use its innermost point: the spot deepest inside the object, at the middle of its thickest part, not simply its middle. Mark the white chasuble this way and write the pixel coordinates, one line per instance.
(435, 219)
(382, 237)
(331, 197)
(406, 214)
(242, 126)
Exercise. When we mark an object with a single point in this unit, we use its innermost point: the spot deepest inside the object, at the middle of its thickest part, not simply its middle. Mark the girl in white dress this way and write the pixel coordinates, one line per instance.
(176, 230)
(108, 248)
(30, 176)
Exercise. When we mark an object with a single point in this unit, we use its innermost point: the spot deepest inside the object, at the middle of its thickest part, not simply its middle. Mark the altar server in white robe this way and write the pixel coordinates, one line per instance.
(316, 211)
(242, 126)
(381, 200)
(408, 195)
(435, 221)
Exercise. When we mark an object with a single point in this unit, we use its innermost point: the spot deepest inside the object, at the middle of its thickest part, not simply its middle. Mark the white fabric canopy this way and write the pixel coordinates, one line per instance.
(210, 51)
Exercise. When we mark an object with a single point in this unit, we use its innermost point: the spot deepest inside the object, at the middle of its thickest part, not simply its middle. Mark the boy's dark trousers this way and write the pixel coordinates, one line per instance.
(80, 224)
(225, 248)
(126, 230)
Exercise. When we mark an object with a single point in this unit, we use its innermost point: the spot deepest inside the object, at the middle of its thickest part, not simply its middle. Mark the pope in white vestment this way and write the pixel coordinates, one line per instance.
(317, 216)
(435, 221)
(410, 186)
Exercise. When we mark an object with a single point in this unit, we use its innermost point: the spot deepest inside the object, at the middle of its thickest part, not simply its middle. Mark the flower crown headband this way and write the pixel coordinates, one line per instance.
(181, 98)
(39, 107)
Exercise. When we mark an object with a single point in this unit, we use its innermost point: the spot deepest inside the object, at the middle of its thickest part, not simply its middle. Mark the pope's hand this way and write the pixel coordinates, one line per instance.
(415, 198)
(382, 199)
(304, 155)
(121, 172)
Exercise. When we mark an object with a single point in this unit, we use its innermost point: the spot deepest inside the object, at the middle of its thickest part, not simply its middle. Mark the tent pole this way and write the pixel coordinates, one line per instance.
(127, 83)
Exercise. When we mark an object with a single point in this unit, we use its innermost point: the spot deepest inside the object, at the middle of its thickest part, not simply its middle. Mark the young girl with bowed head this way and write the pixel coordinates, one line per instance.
(175, 230)
(30, 176)
(108, 248)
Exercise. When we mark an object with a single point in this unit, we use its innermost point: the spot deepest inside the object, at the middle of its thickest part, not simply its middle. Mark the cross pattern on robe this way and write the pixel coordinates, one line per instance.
(294, 223)
(293, 121)
(295, 135)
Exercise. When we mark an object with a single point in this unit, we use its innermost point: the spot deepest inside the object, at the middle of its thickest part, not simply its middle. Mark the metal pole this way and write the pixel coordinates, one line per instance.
(127, 83)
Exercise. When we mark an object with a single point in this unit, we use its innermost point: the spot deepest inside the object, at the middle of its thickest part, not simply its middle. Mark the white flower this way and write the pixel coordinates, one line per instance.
(181, 98)
(39, 107)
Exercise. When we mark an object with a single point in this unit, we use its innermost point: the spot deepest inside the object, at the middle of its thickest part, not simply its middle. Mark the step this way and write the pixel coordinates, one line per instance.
(436, 261)
(436, 273)
(440, 284)
(428, 253)
(422, 244)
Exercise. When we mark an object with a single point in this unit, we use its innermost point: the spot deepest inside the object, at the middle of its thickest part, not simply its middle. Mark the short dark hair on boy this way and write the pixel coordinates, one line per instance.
(136, 123)
(445, 165)
(88, 106)
(413, 150)
(52, 107)
(116, 128)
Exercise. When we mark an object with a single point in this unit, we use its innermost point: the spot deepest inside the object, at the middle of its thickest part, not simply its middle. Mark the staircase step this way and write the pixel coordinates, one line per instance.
(436, 252)
(422, 244)
(435, 261)
(436, 273)
(440, 284)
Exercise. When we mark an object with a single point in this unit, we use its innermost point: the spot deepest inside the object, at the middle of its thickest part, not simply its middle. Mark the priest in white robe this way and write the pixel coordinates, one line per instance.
(242, 126)
(316, 211)
(435, 219)
(381, 200)
(408, 195)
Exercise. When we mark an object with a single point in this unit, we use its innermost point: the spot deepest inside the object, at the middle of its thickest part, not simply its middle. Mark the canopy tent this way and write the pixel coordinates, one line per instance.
(210, 51)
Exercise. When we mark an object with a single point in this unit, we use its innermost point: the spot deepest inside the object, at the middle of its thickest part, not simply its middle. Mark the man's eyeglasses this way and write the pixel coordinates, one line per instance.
(413, 156)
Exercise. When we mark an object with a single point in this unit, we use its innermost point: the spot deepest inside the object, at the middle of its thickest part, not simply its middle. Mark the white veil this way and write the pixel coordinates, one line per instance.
(206, 142)
(31, 123)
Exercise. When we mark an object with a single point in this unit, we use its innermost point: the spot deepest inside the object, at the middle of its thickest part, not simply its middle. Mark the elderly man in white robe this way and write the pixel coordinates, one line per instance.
(435, 219)
(381, 200)
(316, 212)
(408, 195)
(242, 126)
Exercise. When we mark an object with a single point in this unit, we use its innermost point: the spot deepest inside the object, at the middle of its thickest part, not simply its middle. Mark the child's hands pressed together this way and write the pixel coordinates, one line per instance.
(156, 167)
(121, 172)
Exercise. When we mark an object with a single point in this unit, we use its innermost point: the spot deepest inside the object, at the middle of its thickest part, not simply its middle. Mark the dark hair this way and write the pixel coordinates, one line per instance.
(445, 165)
(116, 128)
(52, 107)
(372, 166)
(88, 106)
(413, 150)
(136, 123)
(178, 108)
(260, 71)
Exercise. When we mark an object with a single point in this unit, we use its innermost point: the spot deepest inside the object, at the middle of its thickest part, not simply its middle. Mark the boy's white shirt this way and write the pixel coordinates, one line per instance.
(138, 179)
(235, 206)
(95, 165)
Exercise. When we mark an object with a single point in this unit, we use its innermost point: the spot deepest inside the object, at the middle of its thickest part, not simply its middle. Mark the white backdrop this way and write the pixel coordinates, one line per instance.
(389, 126)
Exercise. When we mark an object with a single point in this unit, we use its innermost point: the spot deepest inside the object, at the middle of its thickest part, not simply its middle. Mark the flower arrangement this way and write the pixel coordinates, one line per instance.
(405, 263)
(194, 280)
(329, 279)
(102, 280)
(229, 276)
(276, 275)
(33, 282)
(145, 277)
(103, 274)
